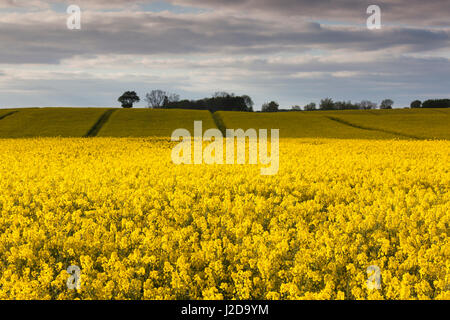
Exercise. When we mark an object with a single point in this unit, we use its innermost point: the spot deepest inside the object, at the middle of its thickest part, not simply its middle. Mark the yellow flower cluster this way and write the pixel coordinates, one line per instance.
(140, 227)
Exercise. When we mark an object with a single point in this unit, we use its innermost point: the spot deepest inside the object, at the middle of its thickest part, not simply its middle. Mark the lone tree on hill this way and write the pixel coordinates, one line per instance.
(128, 99)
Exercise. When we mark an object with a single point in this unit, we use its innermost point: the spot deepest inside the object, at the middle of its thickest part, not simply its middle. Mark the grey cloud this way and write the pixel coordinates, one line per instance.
(398, 77)
(385, 63)
(413, 12)
(47, 40)
(416, 12)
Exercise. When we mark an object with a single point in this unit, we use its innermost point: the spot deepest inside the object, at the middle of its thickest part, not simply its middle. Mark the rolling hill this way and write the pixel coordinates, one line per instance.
(153, 123)
(49, 122)
(113, 122)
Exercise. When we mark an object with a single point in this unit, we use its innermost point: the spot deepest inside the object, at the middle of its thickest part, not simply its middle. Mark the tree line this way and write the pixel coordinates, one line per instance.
(220, 101)
(329, 104)
(434, 103)
(224, 101)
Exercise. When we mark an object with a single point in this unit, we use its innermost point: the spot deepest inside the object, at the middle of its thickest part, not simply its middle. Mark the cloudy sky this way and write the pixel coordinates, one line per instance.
(291, 51)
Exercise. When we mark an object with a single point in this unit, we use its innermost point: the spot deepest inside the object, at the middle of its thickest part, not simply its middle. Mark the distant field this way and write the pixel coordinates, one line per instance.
(5, 112)
(49, 122)
(153, 123)
(349, 124)
(299, 125)
(422, 124)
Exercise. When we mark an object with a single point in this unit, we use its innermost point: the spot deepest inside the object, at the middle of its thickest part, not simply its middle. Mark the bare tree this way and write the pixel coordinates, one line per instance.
(159, 98)
(310, 106)
(173, 97)
(155, 99)
(367, 105)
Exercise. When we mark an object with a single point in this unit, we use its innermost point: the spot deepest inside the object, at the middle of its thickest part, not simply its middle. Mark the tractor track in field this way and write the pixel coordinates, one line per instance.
(8, 114)
(99, 124)
(341, 121)
(220, 124)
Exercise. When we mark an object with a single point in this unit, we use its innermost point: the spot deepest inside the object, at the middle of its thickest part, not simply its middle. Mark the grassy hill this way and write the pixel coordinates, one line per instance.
(350, 124)
(414, 123)
(6, 112)
(153, 123)
(49, 122)
(298, 125)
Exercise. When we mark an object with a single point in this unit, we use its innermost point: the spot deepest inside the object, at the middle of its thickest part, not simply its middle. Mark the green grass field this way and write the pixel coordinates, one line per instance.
(5, 112)
(153, 123)
(349, 124)
(414, 123)
(49, 122)
(299, 125)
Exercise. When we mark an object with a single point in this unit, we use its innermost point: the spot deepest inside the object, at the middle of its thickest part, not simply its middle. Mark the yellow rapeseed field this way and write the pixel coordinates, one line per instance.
(140, 227)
